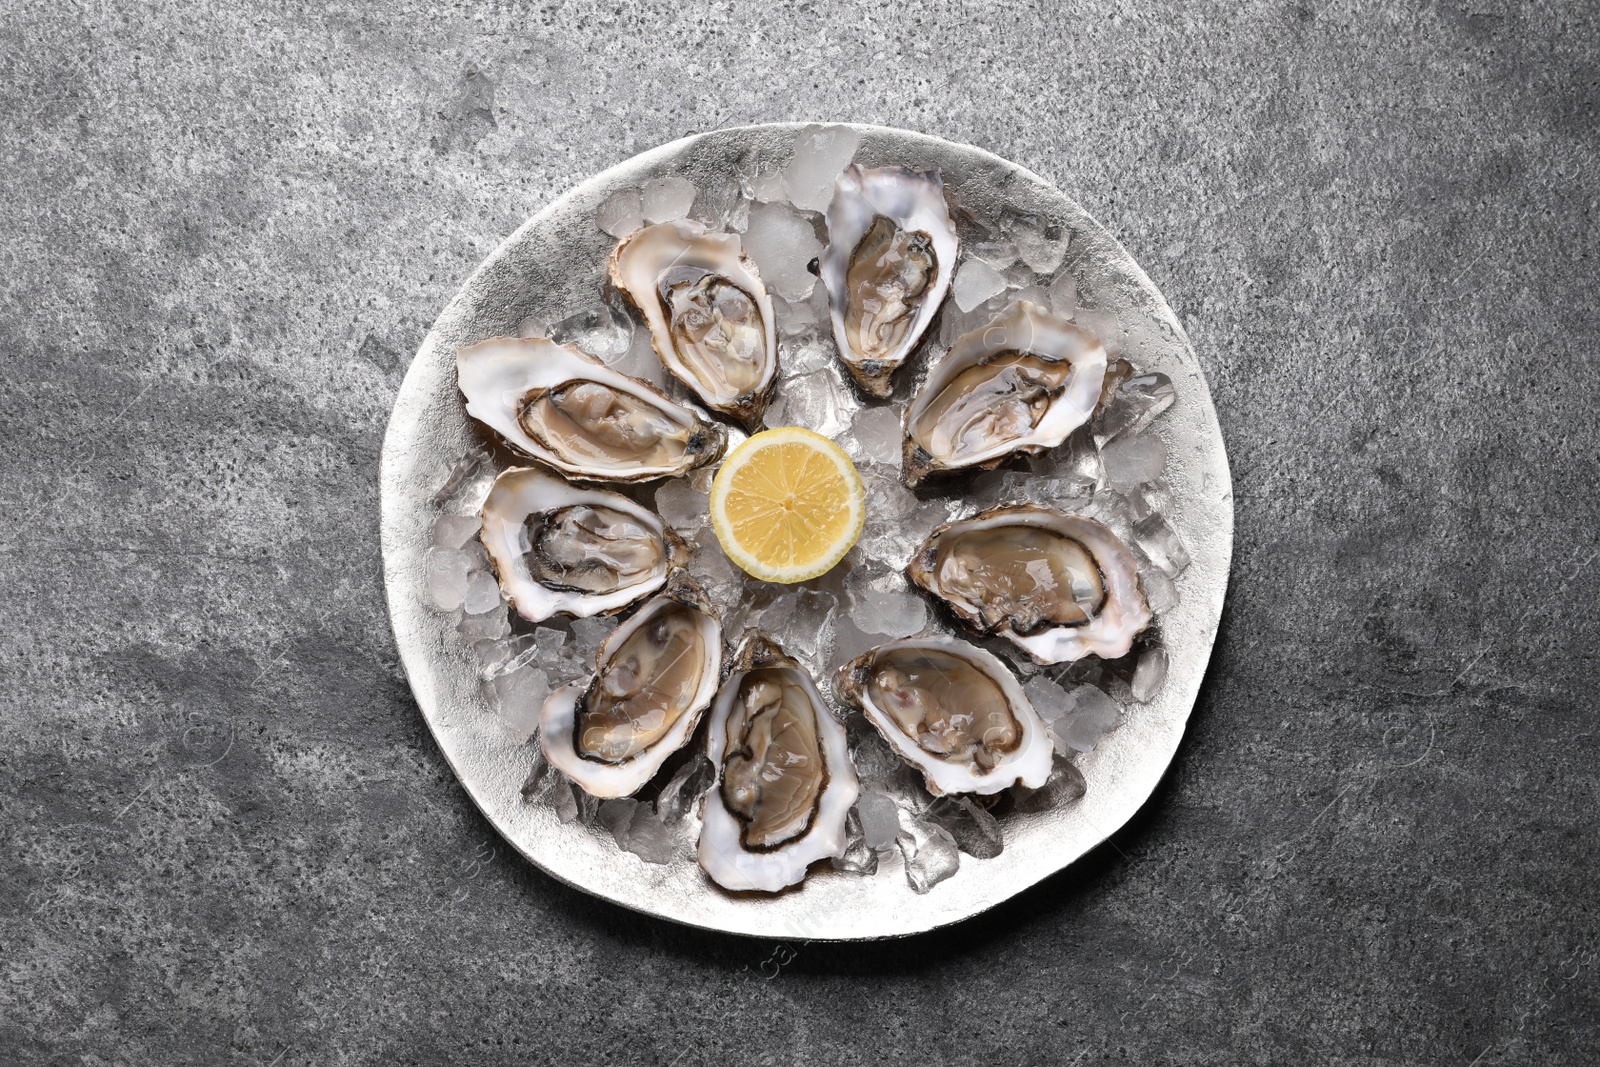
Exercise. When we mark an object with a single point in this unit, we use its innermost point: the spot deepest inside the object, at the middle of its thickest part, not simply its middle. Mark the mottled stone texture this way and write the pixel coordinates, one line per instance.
(225, 835)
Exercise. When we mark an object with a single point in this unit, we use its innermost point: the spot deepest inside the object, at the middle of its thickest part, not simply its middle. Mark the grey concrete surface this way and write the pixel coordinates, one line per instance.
(225, 835)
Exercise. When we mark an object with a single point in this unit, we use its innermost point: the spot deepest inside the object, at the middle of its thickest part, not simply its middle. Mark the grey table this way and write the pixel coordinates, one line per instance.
(225, 834)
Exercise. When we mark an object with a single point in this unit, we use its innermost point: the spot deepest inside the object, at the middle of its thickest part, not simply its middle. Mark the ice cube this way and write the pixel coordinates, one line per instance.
(1149, 500)
(858, 859)
(1070, 491)
(971, 827)
(880, 820)
(1134, 460)
(823, 310)
(666, 199)
(886, 605)
(874, 760)
(875, 431)
(492, 624)
(910, 790)
(640, 359)
(806, 358)
(588, 634)
(1018, 277)
(549, 643)
(453, 531)
(930, 854)
(500, 656)
(447, 570)
(1064, 295)
(517, 697)
(766, 188)
(888, 547)
(888, 500)
(682, 507)
(1150, 675)
(649, 838)
(463, 487)
(1041, 244)
(620, 213)
(718, 204)
(804, 618)
(1048, 699)
(975, 283)
(482, 593)
(989, 488)
(1090, 717)
(576, 805)
(636, 829)
(1161, 544)
(536, 774)
(684, 788)
(477, 558)
(850, 641)
(794, 319)
(1136, 405)
(1103, 324)
(818, 401)
(564, 798)
(1064, 786)
(957, 324)
(782, 243)
(598, 331)
(1160, 591)
(701, 478)
(532, 326)
(998, 252)
(820, 153)
(1033, 294)
(722, 580)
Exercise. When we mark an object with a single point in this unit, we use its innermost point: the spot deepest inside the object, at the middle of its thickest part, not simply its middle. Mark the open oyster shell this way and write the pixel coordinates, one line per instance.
(953, 711)
(654, 677)
(1058, 586)
(569, 411)
(709, 314)
(564, 549)
(1022, 383)
(891, 254)
(784, 781)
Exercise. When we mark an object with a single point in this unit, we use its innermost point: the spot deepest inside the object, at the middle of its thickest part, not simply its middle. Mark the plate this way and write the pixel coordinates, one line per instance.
(532, 274)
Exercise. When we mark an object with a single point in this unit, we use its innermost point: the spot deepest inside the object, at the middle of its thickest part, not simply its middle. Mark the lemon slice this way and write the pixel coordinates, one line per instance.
(787, 505)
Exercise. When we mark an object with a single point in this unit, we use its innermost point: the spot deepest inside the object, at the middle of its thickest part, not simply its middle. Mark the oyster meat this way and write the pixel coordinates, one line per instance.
(1022, 383)
(654, 677)
(891, 253)
(563, 549)
(784, 781)
(709, 314)
(569, 411)
(1058, 586)
(953, 711)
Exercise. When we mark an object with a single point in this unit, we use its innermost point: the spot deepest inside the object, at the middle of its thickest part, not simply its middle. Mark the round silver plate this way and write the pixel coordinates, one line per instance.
(552, 266)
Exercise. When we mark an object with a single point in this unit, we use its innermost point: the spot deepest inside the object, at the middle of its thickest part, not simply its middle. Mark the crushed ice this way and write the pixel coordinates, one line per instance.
(1115, 471)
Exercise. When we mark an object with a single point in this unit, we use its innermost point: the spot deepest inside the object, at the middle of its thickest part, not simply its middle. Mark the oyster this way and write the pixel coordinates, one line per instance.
(784, 780)
(569, 411)
(953, 711)
(1058, 586)
(710, 317)
(890, 256)
(562, 549)
(1020, 384)
(654, 677)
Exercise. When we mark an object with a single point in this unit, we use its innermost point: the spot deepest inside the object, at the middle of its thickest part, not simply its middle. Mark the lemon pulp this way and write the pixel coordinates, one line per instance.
(787, 505)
